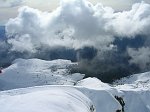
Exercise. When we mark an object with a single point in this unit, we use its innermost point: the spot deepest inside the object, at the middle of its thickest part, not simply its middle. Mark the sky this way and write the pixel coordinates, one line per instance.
(9, 8)
(113, 34)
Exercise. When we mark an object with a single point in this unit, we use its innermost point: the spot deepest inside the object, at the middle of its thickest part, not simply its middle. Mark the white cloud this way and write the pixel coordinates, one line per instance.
(119, 5)
(140, 57)
(133, 22)
(10, 3)
(22, 44)
(75, 24)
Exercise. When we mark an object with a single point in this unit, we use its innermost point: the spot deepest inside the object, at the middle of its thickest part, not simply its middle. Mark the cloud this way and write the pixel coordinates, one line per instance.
(115, 42)
(61, 27)
(140, 57)
(119, 5)
(133, 22)
(10, 3)
(76, 24)
(20, 45)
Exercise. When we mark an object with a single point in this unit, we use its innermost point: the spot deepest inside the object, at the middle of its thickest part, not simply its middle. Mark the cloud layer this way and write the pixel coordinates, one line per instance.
(92, 30)
(76, 24)
(10, 3)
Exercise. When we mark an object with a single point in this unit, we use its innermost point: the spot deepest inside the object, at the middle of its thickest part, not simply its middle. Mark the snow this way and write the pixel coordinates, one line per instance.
(92, 83)
(135, 90)
(136, 81)
(57, 99)
(136, 102)
(136, 97)
(36, 72)
(102, 99)
(96, 90)
(46, 99)
(38, 85)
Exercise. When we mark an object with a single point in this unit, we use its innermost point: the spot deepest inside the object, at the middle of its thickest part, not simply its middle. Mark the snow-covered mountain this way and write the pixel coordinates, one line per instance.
(36, 72)
(49, 86)
(58, 99)
(136, 81)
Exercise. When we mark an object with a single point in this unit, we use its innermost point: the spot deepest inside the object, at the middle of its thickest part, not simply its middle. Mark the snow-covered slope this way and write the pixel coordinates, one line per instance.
(93, 83)
(57, 99)
(103, 100)
(36, 72)
(137, 99)
(82, 95)
(45, 99)
(135, 90)
(136, 81)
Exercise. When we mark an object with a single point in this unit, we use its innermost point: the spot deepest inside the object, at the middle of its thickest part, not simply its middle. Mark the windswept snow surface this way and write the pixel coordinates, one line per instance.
(36, 72)
(81, 95)
(136, 98)
(136, 92)
(93, 83)
(57, 99)
(136, 81)
(45, 99)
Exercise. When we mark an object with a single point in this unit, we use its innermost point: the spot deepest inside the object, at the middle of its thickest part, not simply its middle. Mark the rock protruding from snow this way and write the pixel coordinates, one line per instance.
(35, 72)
